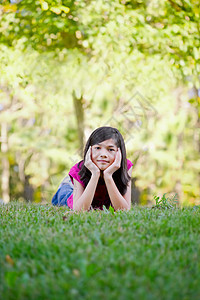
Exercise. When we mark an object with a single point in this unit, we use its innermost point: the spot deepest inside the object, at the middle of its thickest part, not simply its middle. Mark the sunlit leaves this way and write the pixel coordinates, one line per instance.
(37, 19)
(58, 9)
(44, 5)
(8, 8)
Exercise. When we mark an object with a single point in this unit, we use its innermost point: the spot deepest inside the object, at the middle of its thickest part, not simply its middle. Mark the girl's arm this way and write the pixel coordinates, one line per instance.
(118, 201)
(82, 199)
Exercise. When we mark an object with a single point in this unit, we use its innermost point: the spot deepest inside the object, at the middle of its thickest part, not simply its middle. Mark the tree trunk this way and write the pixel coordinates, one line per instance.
(28, 189)
(28, 192)
(78, 105)
(135, 192)
(197, 126)
(5, 163)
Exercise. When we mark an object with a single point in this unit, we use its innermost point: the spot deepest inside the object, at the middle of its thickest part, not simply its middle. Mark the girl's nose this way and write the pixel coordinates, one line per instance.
(103, 154)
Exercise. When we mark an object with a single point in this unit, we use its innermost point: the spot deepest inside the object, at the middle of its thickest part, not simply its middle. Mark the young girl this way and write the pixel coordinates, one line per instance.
(103, 177)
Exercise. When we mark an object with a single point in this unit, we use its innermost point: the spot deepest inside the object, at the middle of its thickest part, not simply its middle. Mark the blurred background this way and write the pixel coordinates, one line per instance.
(68, 67)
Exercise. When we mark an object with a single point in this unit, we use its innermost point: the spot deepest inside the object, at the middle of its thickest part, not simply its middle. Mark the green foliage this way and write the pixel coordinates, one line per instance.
(110, 210)
(147, 253)
(40, 24)
(166, 202)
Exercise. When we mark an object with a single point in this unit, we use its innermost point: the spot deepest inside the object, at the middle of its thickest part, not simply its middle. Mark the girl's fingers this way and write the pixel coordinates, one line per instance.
(118, 153)
(88, 153)
(118, 157)
(88, 157)
(90, 150)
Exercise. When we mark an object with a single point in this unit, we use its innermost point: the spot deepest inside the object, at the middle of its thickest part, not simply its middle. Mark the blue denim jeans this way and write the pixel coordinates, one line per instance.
(64, 191)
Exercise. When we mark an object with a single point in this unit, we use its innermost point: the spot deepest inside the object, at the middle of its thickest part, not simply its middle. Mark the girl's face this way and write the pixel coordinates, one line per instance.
(103, 154)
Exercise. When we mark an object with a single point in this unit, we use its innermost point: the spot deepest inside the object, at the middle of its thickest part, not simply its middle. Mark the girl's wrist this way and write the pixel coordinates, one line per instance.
(107, 176)
(96, 173)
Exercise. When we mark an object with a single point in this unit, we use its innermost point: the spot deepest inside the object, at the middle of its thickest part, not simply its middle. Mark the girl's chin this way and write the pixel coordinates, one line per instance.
(102, 168)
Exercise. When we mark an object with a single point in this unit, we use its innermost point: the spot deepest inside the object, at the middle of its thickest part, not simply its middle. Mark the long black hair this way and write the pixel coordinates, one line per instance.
(121, 176)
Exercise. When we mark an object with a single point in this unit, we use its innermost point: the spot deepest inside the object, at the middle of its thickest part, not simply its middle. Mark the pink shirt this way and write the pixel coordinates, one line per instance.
(101, 196)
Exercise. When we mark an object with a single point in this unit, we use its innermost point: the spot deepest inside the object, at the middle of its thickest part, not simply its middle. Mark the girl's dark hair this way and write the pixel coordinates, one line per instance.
(121, 176)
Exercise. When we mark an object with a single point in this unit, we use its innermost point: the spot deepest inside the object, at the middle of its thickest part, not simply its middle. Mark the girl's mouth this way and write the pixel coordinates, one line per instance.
(103, 161)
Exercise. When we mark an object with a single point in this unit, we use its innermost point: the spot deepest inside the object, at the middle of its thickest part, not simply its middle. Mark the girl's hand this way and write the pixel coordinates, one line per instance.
(89, 163)
(115, 165)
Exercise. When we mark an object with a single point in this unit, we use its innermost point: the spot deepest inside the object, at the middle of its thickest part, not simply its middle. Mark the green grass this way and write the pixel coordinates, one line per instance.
(141, 254)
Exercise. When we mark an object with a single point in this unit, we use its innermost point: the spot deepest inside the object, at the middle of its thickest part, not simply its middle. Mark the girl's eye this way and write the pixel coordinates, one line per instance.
(97, 148)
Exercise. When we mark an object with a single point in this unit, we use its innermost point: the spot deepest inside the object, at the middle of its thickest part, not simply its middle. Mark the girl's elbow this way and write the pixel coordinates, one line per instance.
(125, 208)
(129, 206)
(77, 208)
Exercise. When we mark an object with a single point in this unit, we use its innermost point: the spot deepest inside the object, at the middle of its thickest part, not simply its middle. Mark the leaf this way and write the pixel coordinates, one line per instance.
(111, 209)
(65, 9)
(56, 10)
(9, 8)
(105, 209)
(44, 5)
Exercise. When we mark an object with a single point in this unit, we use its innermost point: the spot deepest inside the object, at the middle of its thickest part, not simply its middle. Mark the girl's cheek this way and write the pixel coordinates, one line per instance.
(93, 155)
(114, 155)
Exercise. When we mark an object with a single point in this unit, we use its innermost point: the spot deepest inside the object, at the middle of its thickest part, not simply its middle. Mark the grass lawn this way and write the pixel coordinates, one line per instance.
(141, 254)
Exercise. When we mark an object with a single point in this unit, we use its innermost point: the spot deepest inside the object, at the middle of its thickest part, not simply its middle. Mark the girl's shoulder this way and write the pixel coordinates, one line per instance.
(129, 164)
(73, 172)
